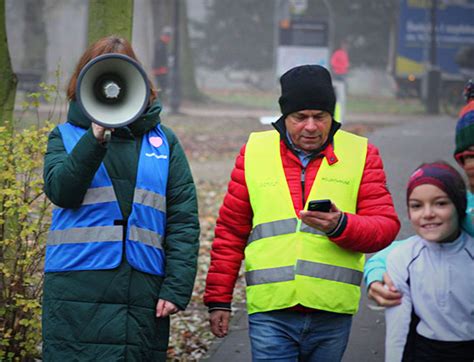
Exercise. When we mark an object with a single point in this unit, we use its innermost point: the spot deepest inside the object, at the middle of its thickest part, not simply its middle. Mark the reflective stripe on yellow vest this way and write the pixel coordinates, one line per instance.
(287, 262)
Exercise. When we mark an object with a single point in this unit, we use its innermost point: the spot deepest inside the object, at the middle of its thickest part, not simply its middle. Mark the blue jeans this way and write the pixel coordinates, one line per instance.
(285, 335)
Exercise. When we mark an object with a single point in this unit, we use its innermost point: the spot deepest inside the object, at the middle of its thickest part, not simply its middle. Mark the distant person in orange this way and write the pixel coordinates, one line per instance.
(469, 97)
(160, 61)
(340, 62)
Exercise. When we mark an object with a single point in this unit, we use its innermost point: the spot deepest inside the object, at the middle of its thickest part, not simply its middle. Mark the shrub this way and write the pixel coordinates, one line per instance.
(24, 222)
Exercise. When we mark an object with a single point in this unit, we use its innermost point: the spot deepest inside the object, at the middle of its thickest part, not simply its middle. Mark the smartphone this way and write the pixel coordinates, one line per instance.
(319, 205)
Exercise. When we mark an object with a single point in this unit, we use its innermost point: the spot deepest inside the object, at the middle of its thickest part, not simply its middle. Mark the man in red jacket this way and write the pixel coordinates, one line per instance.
(303, 268)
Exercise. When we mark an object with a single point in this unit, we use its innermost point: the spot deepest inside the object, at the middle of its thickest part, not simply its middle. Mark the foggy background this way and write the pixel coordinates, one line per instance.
(233, 42)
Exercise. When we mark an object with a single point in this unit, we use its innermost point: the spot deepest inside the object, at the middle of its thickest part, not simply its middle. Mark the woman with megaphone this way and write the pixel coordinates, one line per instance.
(122, 249)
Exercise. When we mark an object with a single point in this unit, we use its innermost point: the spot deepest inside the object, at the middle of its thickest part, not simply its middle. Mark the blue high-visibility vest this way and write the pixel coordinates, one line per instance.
(88, 238)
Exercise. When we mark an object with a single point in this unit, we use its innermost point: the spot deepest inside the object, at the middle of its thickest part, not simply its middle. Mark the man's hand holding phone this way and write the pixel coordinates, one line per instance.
(322, 215)
(320, 205)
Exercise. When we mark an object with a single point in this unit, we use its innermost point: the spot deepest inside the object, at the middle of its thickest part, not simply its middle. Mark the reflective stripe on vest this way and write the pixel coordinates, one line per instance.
(279, 227)
(304, 267)
(150, 199)
(288, 262)
(84, 235)
(87, 239)
(149, 237)
(98, 195)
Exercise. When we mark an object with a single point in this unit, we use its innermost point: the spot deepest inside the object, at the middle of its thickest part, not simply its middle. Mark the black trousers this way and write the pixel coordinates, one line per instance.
(429, 350)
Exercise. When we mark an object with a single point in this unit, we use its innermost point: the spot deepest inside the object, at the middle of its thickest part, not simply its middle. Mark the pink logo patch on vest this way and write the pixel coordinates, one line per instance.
(156, 141)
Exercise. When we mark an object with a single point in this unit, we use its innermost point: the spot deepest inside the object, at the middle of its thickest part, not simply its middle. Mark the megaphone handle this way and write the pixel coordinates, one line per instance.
(107, 135)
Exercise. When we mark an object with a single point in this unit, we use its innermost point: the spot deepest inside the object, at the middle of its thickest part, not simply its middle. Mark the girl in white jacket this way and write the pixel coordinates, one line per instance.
(434, 270)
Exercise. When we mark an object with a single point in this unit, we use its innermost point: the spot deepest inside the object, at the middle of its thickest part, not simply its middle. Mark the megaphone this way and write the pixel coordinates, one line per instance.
(112, 90)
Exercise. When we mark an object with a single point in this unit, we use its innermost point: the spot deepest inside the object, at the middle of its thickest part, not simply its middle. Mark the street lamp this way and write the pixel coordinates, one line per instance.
(433, 74)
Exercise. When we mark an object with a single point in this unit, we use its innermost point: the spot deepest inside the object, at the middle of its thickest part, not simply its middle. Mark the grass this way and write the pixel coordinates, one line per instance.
(355, 104)
(239, 98)
(361, 104)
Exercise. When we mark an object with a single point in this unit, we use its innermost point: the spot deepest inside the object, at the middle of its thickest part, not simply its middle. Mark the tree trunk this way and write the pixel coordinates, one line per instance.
(34, 40)
(188, 77)
(7, 77)
(332, 45)
(110, 17)
(162, 15)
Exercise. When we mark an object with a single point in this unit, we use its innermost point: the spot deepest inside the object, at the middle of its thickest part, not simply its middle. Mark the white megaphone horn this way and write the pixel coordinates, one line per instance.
(112, 90)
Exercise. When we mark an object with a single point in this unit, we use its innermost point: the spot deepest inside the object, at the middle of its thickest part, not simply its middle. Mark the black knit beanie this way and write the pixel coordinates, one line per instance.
(307, 87)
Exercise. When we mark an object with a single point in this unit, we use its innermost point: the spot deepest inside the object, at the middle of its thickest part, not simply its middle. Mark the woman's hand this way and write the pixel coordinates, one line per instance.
(165, 308)
(100, 132)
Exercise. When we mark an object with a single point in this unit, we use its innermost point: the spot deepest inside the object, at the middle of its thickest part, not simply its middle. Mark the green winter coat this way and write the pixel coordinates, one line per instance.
(109, 315)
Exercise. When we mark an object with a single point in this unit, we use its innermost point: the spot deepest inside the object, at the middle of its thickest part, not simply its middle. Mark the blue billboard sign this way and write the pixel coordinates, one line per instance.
(454, 30)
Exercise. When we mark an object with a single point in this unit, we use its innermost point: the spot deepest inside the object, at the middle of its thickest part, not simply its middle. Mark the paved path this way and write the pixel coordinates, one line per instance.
(403, 147)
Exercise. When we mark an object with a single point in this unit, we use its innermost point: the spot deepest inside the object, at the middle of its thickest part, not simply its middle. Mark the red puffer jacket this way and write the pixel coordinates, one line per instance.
(373, 227)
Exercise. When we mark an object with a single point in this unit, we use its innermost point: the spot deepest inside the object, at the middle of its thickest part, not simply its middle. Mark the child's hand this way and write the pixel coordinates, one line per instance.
(384, 293)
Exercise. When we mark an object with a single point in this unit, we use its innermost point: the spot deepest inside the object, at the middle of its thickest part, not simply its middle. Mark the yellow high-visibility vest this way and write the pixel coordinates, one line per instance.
(287, 262)
(337, 112)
